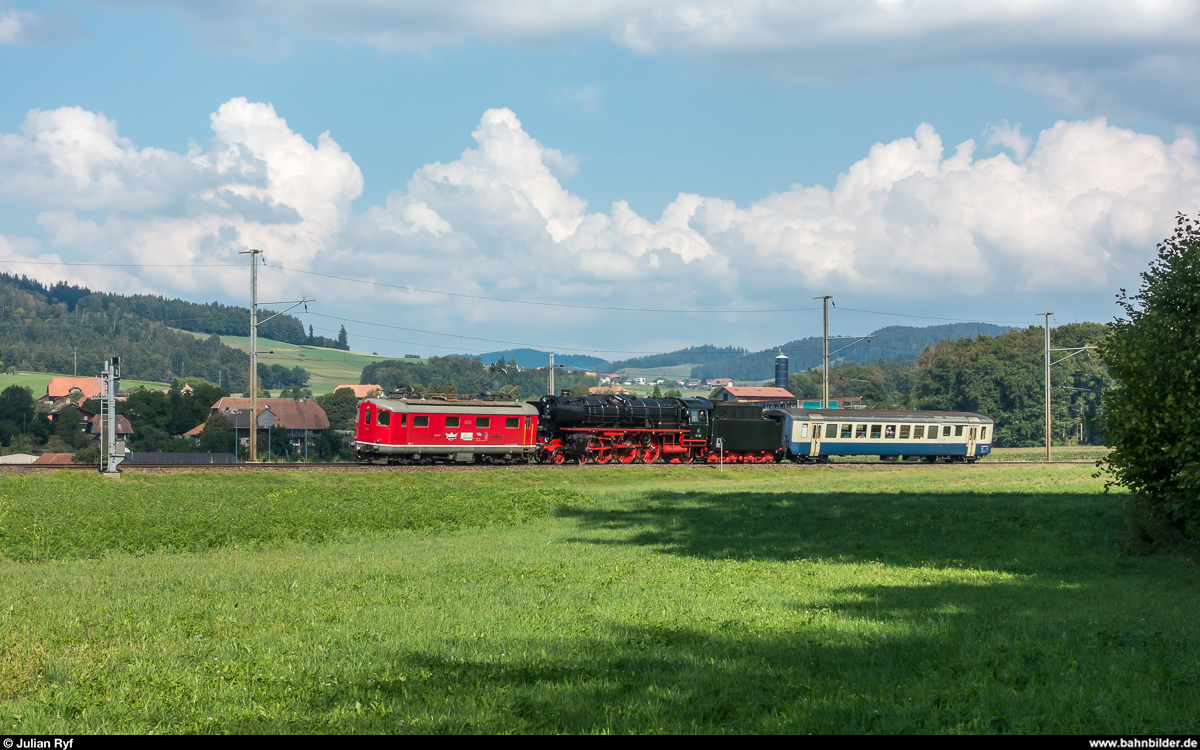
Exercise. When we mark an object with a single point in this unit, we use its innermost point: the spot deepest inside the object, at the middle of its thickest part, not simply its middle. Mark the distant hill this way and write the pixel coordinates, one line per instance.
(212, 317)
(693, 355)
(890, 343)
(536, 358)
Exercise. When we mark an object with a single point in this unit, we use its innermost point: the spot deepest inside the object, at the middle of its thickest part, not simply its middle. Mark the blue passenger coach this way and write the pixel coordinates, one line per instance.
(816, 434)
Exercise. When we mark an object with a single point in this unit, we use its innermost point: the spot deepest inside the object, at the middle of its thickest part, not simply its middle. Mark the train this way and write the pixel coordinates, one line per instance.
(609, 428)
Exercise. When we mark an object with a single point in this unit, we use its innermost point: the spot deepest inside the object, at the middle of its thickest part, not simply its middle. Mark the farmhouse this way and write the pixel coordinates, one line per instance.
(300, 417)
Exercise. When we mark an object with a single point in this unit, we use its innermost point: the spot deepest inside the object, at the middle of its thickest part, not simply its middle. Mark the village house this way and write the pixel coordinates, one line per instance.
(74, 389)
(718, 382)
(776, 397)
(300, 417)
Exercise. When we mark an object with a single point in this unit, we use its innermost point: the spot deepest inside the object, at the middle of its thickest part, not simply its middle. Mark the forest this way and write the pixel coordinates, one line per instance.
(1000, 376)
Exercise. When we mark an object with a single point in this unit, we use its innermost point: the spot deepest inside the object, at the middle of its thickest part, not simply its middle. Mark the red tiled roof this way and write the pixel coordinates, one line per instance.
(362, 391)
(55, 458)
(59, 387)
(758, 392)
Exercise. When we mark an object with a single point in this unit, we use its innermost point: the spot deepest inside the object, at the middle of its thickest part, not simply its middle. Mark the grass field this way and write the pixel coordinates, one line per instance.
(328, 368)
(37, 382)
(630, 600)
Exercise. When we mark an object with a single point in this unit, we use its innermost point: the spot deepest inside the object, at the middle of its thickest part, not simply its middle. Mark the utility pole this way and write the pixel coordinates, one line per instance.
(1074, 350)
(825, 349)
(76, 361)
(112, 453)
(1047, 315)
(253, 455)
(254, 321)
(552, 374)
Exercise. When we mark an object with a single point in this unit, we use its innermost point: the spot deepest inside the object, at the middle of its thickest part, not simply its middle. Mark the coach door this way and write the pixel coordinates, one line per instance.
(972, 436)
(815, 447)
(527, 433)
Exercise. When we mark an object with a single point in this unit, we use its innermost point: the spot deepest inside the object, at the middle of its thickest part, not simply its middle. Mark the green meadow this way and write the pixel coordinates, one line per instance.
(993, 599)
(327, 368)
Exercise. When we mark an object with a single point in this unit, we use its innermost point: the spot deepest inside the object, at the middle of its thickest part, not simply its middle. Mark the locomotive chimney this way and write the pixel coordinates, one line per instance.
(781, 372)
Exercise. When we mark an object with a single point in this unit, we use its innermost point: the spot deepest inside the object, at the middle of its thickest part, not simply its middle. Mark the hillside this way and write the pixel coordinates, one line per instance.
(327, 368)
(41, 332)
(535, 358)
(893, 343)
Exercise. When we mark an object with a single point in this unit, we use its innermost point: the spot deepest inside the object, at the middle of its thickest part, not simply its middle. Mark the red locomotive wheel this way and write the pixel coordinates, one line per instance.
(556, 457)
(627, 455)
(688, 458)
(581, 459)
(603, 456)
(649, 455)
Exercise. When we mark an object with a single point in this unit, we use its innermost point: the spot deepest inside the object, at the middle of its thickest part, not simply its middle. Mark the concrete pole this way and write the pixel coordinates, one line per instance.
(253, 454)
(551, 374)
(825, 350)
(1047, 325)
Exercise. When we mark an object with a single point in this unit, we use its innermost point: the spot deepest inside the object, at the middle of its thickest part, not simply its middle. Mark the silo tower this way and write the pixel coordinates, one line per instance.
(781, 372)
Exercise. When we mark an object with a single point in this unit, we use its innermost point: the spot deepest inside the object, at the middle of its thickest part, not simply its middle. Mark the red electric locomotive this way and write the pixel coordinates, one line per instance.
(400, 430)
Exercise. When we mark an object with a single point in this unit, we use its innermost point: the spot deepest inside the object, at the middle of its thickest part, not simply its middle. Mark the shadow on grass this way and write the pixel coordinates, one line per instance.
(1035, 533)
(959, 658)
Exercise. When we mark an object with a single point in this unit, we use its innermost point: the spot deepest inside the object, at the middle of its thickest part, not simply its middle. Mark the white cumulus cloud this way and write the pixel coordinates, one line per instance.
(913, 225)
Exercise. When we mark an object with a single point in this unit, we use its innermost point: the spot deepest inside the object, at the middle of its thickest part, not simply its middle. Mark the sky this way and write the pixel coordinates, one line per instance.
(615, 178)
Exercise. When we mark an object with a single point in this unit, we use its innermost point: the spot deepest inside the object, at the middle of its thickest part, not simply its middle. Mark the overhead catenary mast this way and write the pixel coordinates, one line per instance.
(254, 321)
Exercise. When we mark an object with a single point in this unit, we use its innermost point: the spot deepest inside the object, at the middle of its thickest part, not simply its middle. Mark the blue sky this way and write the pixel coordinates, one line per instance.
(735, 111)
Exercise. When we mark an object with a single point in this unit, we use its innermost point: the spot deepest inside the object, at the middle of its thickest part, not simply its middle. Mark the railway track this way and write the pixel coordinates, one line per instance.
(32, 469)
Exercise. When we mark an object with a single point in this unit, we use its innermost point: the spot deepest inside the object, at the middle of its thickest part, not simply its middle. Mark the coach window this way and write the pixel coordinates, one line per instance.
(385, 418)
(452, 421)
(846, 430)
(983, 433)
(933, 432)
(420, 421)
(831, 431)
(804, 430)
(904, 432)
(860, 431)
(403, 420)
(890, 432)
(918, 432)
(958, 431)
(512, 423)
(366, 416)
(483, 423)
(946, 431)
(875, 430)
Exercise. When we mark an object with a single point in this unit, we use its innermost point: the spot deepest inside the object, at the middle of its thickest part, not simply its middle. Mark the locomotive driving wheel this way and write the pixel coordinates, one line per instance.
(556, 457)
(650, 454)
(603, 455)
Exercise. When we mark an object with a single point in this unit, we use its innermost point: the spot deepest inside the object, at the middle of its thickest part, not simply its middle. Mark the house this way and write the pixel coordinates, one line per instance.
(54, 458)
(780, 397)
(693, 383)
(18, 458)
(718, 382)
(300, 417)
(363, 391)
(660, 381)
(73, 388)
(641, 381)
(92, 426)
(607, 389)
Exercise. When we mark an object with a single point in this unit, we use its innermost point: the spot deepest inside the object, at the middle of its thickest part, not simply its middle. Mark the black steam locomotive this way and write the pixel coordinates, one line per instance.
(604, 428)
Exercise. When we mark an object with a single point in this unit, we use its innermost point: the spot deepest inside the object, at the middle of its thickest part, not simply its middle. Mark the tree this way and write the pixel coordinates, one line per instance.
(343, 342)
(340, 407)
(218, 435)
(657, 392)
(1152, 418)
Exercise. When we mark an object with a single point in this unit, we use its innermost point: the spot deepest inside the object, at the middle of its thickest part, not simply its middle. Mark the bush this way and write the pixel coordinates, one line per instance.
(1152, 419)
